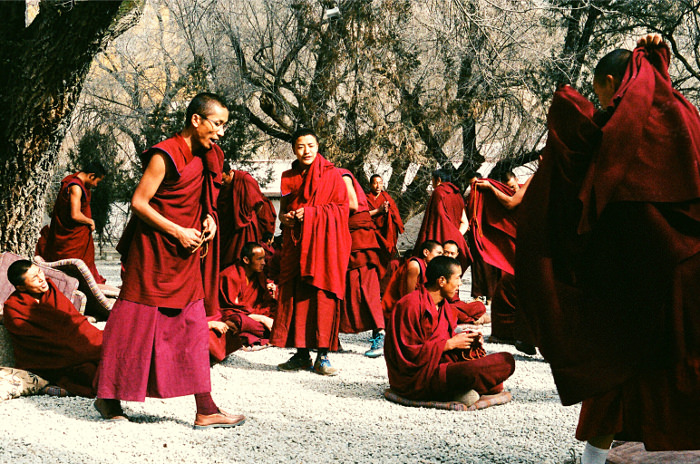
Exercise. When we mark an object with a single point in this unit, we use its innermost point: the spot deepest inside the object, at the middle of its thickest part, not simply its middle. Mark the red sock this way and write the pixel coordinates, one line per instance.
(205, 404)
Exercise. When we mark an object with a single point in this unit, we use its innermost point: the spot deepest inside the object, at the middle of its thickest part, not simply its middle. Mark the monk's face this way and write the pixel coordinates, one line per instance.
(34, 281)
(257, 262)
(376, 185)
(227, 177)
(210, 127)
(450, 250)
(92, 181)
(448, 287)
(513, 184)
(605, 88)
(306, 149)
(429, 255)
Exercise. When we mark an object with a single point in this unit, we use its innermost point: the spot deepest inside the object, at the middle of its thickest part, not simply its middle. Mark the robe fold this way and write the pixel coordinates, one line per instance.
(388, 225)
(237, 204)
(608, 258)
(467, 313)
(53, 340)
(267, 217)
(155, 341)
(314, 257)
(442, 218)
(64, 238)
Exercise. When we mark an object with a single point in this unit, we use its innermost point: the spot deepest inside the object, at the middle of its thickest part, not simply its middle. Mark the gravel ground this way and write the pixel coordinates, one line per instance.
(299, 417)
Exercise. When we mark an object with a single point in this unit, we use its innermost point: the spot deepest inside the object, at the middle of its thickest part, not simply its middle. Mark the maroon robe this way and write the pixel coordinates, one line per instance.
(398, 286)
(362, 307)
(160, 317)
(388, 224)
(417, 364)
(267, 216)
(314, 258)
(467, 313)
(237, 207)
(64, 238)
(53, 340)
(609, 257)
(442, 218)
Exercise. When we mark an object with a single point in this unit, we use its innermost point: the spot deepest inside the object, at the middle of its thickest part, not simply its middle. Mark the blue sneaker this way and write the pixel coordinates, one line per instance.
(377, 348)
(322, 366)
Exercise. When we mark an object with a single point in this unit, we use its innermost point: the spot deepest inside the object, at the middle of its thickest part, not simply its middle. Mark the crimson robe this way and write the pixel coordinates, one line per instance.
(237, 207)
(53, 340)
(388, 224)
(609, 257)
(442, 218)
(314, 257)
(417, 365)
(467, 313)
(398, 286)
(362, 309)
(160, 316)
(64, 238)
(267, 216)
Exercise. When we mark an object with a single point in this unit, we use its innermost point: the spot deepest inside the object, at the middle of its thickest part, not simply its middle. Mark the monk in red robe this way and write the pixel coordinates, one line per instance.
(69, 236)
(156, 337)
(49, 336)
(426, 359)
(609, 254)
(409, 276)
(473, 312)
(267, 219)
(315, 253)
(445, 218)
(362, 307)
(389, 225)
(239, 204)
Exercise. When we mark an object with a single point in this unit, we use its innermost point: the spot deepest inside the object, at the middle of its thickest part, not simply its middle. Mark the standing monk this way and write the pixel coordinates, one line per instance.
(156, 338)
(609, 254)
(385, 215)
(69, 236)
(315, 253)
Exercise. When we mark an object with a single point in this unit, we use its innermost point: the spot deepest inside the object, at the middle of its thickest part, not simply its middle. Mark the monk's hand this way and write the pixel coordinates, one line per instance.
(190, 239)
(649, 40)
(482, 184)
(462, 341)
(92, 225)
(208, 228)
(218, 327)
(385, 207)
(299, 214)
(287, 219)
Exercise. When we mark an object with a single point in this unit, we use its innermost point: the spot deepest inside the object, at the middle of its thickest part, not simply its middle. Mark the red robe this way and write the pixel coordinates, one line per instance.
(267, 217)
(417, 364)
(65, 238)
(237, 213)
(609, 257)
(388, 225)
(53, 340)
(467, 313)
(362, 309)
(398, 286)
(314, 258)
(442, 218)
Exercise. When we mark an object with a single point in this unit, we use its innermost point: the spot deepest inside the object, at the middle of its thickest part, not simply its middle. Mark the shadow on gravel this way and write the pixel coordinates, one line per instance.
(241, 363)
(344, 389)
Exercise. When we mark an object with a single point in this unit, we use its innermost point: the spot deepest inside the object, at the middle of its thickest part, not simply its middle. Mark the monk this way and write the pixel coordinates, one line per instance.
(69, 236)
(445, 217)
(512, 181)
(385, 215)
(314, 259)
(473, 312)
(156, 337)
(239, 205)
(49, 336)
(409, 276)
(426, 359)
(609, 254)
(362, 307)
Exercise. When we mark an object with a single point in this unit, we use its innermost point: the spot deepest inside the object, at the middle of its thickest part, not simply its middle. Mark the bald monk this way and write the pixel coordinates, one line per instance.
(315, 253)
(409, 276)
(156, 337)
(239, 205)
(426, 359)
(361, 309)
(614, 298)
(473, 312)
(445, 217)
(49, 336)
(69, 236)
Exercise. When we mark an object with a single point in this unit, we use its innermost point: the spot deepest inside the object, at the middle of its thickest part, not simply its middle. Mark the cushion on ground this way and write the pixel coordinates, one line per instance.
(634, 453)
(483, 403)
(16, 382)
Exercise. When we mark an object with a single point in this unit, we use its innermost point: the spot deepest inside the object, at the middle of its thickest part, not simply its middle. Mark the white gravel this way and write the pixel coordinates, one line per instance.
(299, 417)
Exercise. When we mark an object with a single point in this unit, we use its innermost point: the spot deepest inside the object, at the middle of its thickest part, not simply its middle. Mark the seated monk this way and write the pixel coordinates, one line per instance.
(50, 337)
(426, 359)
(409, 276)
(246, 304)
(473, 312)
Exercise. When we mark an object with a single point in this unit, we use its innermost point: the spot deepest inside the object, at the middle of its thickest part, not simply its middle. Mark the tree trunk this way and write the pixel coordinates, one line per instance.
(45, 65)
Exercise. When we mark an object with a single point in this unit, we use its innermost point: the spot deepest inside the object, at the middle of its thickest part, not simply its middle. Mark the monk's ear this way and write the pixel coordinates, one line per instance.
(245, 260)
(442, 281)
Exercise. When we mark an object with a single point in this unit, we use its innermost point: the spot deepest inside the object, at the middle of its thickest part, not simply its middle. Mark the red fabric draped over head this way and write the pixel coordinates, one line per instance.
(442, 218)
(493, 227)
(388, 225)
(64, 238)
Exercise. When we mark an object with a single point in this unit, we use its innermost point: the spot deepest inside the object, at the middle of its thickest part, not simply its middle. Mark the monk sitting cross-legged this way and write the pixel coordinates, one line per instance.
(426, 359)
(50, 337)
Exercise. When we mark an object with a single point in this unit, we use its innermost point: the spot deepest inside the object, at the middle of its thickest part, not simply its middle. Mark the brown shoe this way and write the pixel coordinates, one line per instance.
(110, 410)
(220, 419)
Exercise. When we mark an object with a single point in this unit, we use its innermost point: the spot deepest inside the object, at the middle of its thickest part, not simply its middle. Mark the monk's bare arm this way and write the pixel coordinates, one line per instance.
(463, 223)
(264, 320)
(352, 195)
(76, 194)
(148, 185)
(412, 274)
(508, 202)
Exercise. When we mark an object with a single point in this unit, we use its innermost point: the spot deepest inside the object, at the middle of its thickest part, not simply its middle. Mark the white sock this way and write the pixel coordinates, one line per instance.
(593, 455)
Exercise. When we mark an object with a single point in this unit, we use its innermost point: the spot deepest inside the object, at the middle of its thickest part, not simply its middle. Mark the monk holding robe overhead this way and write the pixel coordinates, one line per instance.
(315, 253)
